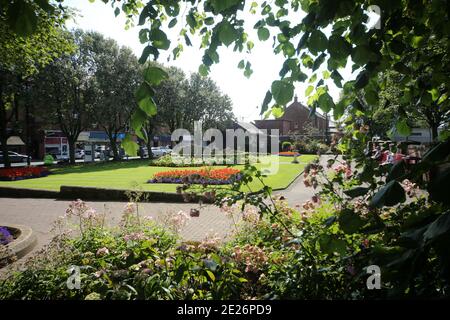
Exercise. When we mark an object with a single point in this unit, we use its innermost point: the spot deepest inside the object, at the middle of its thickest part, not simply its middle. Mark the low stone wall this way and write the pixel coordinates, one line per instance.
(6, 192)
(92, 194)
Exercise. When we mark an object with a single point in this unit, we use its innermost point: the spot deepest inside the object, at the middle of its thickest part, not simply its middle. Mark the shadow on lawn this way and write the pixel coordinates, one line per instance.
(99, 166)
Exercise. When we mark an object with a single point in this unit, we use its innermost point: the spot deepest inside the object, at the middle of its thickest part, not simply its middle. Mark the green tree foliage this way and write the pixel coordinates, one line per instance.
(31, 44)
(61, 89)
(114, 81)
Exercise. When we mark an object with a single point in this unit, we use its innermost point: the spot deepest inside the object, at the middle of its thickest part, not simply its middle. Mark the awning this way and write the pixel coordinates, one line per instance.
(14, 141)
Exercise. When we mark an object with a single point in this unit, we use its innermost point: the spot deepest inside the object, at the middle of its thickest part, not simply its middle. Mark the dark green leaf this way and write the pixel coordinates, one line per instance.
(317, 42)
(357, 192)
(227, 33)
(263, 34)
(282, 91)
(389, 195)
(154, 75)
(349, 221)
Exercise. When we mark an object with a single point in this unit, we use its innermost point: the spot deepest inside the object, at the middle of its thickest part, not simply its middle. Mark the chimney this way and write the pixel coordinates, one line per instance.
(295, 99)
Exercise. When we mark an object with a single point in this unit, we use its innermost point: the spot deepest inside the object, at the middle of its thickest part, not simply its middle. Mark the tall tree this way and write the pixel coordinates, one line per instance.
(116, 77)
(23, 55)
(62, 87)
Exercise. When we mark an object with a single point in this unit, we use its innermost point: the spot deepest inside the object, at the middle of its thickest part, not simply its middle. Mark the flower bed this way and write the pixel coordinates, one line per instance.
(198, 176)
(289, 154)
(20, 173)
(7, 235)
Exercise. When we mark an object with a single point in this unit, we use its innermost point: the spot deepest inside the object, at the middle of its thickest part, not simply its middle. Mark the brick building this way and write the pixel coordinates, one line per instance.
(297, 120)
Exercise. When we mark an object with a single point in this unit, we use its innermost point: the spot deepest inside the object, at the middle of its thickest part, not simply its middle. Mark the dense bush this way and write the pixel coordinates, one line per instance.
(311, 147)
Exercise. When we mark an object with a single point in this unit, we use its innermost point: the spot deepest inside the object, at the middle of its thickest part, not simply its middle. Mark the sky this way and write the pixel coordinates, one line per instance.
(246, 94)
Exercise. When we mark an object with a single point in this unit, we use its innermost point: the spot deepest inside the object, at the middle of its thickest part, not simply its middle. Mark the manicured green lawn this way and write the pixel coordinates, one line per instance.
(134, 175)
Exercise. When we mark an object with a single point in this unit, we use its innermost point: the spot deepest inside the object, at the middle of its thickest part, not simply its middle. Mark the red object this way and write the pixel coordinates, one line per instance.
(23, 172)
(289, 154)
(398, 157)
(384, 156)
(216, 174)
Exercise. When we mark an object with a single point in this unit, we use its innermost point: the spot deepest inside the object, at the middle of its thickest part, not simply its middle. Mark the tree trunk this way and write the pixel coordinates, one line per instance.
(113, 143)
(72, 149)
(149, 145)
(434, 132)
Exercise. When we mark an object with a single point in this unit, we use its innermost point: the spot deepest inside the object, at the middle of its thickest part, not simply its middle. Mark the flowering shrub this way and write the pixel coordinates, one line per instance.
(139, 259)
(19, 173)
(200, 176)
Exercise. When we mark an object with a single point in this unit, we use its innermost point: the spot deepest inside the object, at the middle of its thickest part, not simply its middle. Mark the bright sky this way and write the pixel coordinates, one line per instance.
(247, 94)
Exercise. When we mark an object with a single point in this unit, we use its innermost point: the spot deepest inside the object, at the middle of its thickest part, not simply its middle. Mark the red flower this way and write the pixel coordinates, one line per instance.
(22, 172)
(213, 174)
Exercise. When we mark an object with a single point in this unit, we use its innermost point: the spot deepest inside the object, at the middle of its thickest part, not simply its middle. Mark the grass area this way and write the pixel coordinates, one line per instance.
(134, 175)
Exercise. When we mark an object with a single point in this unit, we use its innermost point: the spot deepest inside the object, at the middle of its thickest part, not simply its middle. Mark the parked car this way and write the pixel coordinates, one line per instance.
(160, 151)
(14, 157)
(79, 154)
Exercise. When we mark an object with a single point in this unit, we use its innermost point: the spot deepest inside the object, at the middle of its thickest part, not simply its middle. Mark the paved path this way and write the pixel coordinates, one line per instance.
(297, 193)
(39, 214)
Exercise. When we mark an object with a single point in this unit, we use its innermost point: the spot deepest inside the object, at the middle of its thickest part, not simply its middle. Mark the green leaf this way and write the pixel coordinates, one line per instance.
(227, 33)
(22, 18)
(362, 55)
(222, 5)
(203, 70)
(241, 64)
(309, 90)
(326, 102)
(438, 227)
(317, 42)
(209, 21)
(143, 36)
(138, 119)
(173, 22)
(211, 275)
(130, 147)
(146, 52)
(397, 171)
(330, 244)
(349, 221)
(265, 104)
(338, 47)
(362, 80)
(438, 186)
(190, 19)
(144, 97)
(403, 128)
(159, 39)
(116, 12)
(357, 192)
(263, 34)
(389, 195)
(277, 111)
(282, 91)
(154, 75)
(438, 153)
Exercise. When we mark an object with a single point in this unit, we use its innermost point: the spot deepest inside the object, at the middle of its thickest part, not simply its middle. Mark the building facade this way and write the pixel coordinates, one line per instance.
(297, 120)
